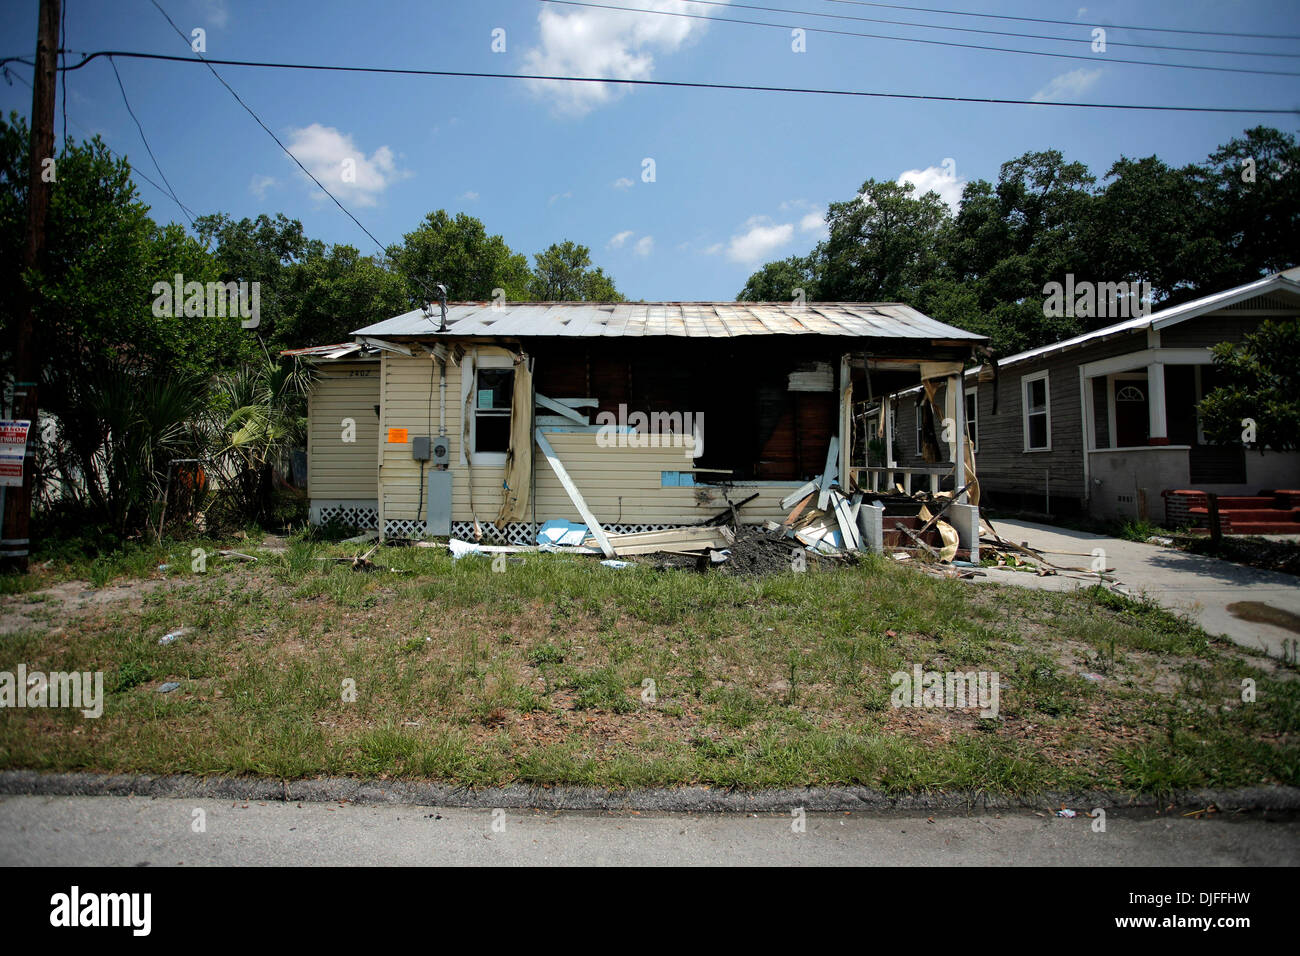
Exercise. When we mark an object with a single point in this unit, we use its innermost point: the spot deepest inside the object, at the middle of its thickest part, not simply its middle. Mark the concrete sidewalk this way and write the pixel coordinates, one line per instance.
(1200, 587)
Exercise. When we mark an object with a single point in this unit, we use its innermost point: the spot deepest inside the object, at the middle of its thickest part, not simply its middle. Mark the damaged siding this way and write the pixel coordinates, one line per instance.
(621, 485)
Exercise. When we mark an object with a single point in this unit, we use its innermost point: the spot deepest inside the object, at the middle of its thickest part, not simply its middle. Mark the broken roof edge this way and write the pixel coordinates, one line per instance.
(341, 351)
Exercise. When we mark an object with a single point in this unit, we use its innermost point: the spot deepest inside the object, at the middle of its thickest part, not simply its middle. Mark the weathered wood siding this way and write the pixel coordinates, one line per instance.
(1002, 464)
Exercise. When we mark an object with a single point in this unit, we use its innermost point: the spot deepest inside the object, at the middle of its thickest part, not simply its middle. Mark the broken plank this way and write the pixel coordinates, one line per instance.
(562, 410)
(924, 547)
(574, 494)
(848, 528)
(789, 500)
(829, 474)
(794, 515)
(730, 512)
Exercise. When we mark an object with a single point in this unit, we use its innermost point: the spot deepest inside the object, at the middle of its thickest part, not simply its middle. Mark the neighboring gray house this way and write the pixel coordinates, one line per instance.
(1105, 423)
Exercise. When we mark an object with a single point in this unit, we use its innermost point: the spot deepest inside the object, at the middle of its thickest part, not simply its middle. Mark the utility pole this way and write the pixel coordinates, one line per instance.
(15, 545)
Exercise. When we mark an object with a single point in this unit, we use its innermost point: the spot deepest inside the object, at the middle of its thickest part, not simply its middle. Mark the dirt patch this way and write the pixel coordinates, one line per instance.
(70, 598)
(1252, 551)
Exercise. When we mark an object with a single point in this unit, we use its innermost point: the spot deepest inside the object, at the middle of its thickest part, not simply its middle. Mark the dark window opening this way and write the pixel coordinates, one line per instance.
(493, 394)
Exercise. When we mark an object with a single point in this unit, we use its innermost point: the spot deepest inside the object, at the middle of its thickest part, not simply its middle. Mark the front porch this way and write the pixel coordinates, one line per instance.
(1143, 437)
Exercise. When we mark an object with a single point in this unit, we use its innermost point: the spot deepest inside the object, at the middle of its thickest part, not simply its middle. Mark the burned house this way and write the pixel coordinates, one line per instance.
(497, 418)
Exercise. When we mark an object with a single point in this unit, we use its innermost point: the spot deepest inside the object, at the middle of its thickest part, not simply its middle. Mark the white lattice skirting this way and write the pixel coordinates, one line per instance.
(360, 514)
(516, 532)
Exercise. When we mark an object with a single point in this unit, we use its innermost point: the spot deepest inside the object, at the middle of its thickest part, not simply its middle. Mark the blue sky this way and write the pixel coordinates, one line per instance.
(739, 178)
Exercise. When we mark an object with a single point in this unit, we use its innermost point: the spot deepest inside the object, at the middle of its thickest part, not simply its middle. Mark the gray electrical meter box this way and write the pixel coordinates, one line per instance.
(442, 450)
(420, 447)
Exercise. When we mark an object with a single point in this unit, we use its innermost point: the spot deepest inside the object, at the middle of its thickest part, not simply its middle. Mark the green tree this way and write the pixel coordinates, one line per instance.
(330, 293)
(778, 281)
(1259, 385)
(1252, 188)
(263, 250)
(459, 254)
(883, 243)
(563, 273)
(119, 377)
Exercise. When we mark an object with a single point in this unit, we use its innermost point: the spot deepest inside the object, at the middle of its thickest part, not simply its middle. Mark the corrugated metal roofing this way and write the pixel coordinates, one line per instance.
(890, 320)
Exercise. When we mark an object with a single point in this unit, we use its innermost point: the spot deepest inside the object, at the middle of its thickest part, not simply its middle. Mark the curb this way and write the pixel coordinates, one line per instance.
(668, 800)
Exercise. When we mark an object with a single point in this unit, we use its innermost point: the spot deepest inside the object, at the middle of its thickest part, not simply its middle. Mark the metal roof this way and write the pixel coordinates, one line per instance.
(1280, 281)
(886, 320)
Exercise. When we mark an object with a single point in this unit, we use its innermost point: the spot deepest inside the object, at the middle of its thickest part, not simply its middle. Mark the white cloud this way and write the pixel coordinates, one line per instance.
(1067, 86)
(714, 249)
(557, 197)
(600, 42)
(815, 223)
(218, 15)
(623, 183)
(345, 170)
(618, 240)
(258, 185)
(940, 179)
(644, 246)
(761, 238)
(469, 196)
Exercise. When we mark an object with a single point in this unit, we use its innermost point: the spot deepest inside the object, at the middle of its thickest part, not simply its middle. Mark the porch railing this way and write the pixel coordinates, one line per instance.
(891, 474)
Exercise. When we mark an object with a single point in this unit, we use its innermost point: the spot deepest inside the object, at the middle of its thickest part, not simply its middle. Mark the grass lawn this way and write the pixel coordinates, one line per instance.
(536, 675)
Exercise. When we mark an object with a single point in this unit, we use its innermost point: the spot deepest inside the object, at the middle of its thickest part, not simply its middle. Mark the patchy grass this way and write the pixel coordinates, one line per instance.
(559, 670)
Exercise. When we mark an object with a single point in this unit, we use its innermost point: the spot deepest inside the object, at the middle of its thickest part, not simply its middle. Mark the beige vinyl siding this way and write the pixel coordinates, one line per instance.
(339, 470)
(620, 485)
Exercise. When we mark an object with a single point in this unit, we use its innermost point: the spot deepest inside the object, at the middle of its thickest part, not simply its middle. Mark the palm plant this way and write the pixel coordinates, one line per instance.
(258, 416)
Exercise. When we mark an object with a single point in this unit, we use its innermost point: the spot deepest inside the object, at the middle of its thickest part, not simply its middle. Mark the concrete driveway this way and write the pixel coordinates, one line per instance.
(1198, 586)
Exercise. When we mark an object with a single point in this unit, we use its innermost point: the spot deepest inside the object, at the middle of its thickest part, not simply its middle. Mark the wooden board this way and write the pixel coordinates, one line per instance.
(574, 494)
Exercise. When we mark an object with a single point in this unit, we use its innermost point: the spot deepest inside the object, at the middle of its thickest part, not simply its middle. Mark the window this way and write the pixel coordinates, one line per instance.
(493, 391)
(920, 426)
(972, 425)
(1037, 412)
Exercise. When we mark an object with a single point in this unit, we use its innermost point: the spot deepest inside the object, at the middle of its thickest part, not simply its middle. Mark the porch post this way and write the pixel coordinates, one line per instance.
(957, 389)
(1159, 430)
(887, 409)
(846, 420)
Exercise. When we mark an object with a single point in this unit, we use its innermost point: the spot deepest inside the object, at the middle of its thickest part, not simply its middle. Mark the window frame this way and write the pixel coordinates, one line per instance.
(919, 410)
(469, 397)
(1026, 384)
(971, 415)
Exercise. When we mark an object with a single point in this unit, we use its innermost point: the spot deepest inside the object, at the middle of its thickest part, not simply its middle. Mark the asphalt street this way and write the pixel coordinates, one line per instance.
(142, 831)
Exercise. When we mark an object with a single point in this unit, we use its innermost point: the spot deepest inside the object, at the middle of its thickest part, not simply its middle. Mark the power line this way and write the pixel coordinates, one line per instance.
(1071, 23)
(269, 132)
(682, 84)
(22, 79)
(1000, 33)
(148, 148)
(949, 43)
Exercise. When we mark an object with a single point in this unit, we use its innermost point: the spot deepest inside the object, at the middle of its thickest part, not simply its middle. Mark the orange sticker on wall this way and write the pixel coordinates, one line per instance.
(397, 436)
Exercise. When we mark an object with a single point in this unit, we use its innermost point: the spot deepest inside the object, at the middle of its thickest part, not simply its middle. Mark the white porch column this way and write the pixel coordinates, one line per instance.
(887, 409)
(957, 389)
(1159, 429)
